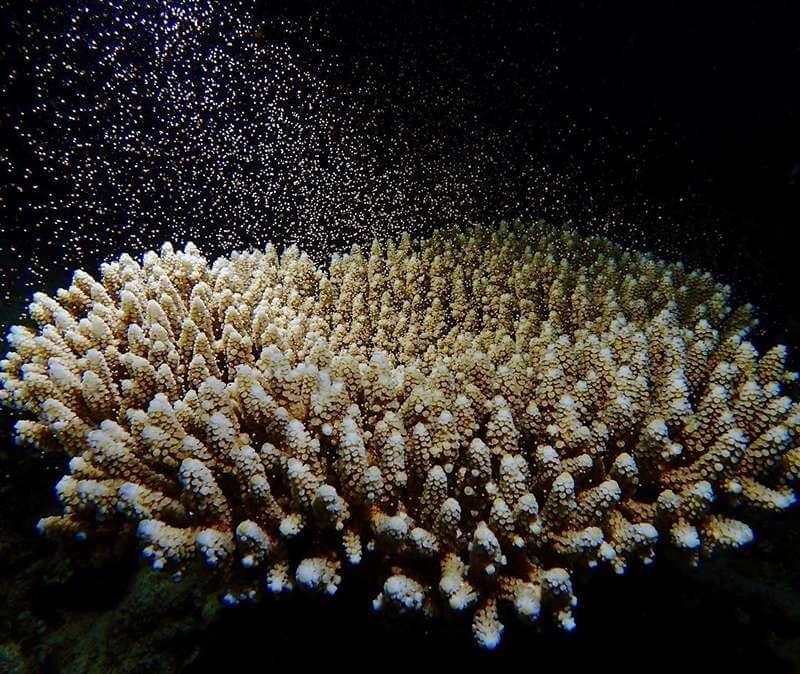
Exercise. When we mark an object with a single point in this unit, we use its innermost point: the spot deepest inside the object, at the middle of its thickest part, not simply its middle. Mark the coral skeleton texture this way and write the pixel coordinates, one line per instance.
(480, 414)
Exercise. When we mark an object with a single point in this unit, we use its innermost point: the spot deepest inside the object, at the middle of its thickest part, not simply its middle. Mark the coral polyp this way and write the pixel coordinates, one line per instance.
(482, 413)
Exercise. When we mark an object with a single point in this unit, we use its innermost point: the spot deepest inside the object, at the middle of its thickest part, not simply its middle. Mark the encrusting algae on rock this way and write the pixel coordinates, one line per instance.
(481, 413)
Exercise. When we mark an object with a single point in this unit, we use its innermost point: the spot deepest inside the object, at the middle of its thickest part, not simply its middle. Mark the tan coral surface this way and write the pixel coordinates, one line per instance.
(480, 413)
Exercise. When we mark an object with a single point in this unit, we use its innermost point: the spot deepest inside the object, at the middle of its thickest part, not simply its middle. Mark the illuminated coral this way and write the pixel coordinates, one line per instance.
(484, 412)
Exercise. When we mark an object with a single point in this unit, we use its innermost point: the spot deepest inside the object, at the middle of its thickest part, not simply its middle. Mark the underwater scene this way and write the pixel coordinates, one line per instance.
(399, 336)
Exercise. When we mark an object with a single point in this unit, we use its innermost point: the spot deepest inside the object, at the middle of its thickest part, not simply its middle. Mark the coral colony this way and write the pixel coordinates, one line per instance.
(480, 413)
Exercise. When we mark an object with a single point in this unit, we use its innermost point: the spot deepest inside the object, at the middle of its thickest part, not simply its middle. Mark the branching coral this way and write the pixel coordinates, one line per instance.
(481, 413)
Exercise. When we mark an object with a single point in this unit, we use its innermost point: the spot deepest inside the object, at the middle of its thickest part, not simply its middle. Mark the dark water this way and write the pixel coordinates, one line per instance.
(670, 126)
